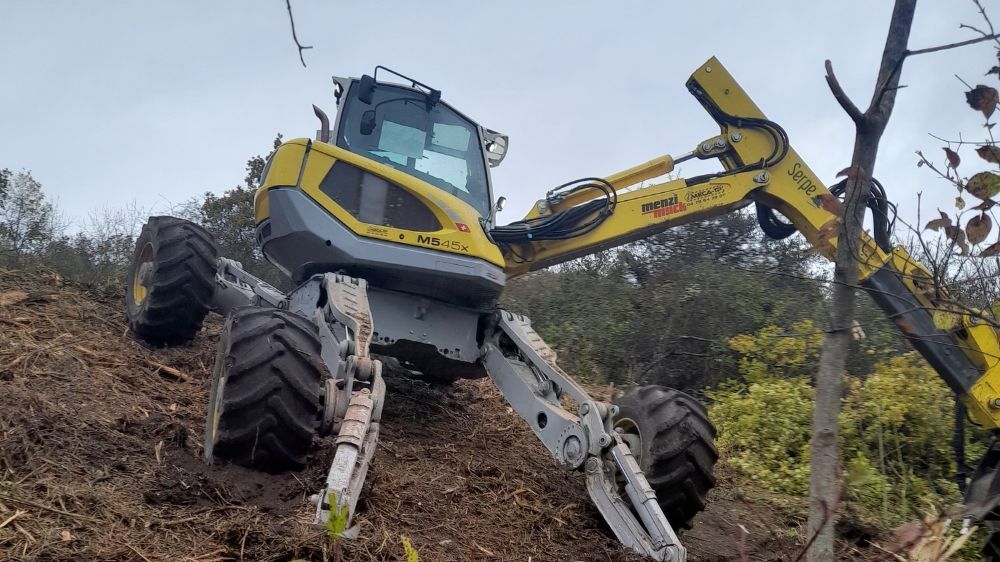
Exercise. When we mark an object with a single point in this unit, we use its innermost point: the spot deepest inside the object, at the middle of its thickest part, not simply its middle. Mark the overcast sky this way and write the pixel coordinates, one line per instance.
(106, 102)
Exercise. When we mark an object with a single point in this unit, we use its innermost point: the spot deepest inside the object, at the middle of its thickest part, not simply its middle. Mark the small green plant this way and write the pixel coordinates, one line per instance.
(337, 523)
(411, 553)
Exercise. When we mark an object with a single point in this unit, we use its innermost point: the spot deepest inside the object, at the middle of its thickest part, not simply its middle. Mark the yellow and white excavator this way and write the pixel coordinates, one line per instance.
(386, 226)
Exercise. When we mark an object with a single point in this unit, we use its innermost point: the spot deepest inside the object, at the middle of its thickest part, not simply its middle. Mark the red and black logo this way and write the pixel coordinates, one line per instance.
(664, 207)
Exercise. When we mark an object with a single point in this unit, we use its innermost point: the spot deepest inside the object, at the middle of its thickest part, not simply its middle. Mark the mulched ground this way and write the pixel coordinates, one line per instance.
(100, 443)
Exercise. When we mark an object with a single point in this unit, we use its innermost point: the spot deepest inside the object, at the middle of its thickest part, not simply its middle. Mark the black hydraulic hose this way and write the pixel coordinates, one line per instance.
(772, 226)
(883, 216)
(883, 212)
(566, 223)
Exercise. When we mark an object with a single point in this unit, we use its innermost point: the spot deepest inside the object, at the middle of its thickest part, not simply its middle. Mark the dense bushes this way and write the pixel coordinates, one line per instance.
(764, 419)
(896, 431)
(896, 425)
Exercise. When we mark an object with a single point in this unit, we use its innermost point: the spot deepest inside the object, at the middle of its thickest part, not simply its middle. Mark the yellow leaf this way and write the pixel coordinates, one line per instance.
(983, 185)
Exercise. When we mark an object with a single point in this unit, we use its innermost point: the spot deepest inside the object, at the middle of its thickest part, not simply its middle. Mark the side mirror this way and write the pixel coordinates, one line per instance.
(497, 207)
(366, 89)
(368, 122)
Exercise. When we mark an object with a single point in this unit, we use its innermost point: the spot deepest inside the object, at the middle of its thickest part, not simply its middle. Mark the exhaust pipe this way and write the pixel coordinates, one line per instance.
(324, 125)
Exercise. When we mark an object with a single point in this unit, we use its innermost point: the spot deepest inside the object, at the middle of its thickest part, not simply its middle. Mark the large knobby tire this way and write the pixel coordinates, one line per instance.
(265, 405)
(170, 281)
(673, 440)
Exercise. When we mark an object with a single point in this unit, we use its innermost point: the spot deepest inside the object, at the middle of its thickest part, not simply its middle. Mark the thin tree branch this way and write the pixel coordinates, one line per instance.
(986, 18)
(951, 45)
(291, 19)
(973, 28)
(899, 64)
(959, 142)
(841, 96)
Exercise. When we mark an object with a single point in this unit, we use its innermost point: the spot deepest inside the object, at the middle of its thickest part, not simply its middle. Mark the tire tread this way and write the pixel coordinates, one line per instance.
(183, 284)
(271, 403)
(679, 451)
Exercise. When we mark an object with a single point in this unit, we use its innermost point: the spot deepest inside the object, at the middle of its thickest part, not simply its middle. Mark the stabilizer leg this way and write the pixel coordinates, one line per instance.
(523, 367)
(354, 394)
(356, 443)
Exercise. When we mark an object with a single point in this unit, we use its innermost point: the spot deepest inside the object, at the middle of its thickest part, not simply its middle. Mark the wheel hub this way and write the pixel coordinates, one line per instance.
(143, 275)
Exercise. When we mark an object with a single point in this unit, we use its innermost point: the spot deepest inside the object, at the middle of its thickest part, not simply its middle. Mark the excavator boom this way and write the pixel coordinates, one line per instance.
(760, 167)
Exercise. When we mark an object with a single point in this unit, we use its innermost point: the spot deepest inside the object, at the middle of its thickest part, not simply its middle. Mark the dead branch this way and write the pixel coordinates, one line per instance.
(291, 19)
(841, 96)
(47, 508)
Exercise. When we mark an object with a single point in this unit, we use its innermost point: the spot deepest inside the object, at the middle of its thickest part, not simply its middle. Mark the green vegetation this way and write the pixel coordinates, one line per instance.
(896, 425)
(764, 419)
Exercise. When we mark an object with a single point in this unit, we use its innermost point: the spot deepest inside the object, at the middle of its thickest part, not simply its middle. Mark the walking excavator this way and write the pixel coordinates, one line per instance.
(385, 225)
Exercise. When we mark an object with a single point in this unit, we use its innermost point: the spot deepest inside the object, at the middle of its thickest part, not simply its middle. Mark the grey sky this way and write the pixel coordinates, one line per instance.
(160, 101)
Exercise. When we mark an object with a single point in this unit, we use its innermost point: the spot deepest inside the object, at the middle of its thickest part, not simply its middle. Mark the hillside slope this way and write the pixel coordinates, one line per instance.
(100, 441)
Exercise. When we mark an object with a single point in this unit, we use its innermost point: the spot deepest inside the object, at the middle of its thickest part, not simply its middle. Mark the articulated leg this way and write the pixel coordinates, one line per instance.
(235, 287)
(524, 369)
(354, 394)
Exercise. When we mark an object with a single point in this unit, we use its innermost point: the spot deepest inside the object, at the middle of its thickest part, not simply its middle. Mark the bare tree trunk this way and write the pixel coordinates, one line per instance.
(824, 480)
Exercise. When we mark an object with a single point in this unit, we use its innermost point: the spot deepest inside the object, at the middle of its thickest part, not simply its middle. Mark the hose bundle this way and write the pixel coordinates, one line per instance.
(566, 223)
(883, 215)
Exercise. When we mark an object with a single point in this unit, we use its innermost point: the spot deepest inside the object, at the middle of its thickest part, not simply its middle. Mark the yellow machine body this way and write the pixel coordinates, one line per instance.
(756, 170)
(460, 232)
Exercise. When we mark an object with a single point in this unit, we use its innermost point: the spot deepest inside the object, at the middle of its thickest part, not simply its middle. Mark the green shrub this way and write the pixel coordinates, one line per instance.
(896, 425)
(764, 430)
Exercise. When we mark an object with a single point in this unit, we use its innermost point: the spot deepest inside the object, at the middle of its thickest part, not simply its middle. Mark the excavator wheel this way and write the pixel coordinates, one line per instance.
(671, 437)
(170, 281)
(265, 405)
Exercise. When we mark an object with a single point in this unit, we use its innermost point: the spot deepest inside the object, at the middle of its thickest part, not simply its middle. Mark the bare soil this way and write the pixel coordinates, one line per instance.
(100, 444)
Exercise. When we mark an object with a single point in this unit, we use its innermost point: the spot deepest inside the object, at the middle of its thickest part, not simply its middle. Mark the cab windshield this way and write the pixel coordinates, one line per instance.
(438, 146)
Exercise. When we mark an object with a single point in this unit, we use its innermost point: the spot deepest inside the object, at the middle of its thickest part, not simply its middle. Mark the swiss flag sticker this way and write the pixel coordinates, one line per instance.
(462, 227)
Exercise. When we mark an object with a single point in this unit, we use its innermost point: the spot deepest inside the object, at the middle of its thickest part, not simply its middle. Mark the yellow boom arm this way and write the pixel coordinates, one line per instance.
(761, 167)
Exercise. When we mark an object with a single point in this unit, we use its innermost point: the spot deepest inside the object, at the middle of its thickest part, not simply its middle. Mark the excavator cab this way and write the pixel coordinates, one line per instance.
(413, 131)
(397, 191)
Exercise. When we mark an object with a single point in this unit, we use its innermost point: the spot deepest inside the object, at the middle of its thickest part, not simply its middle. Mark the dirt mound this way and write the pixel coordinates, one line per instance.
(100, 443)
